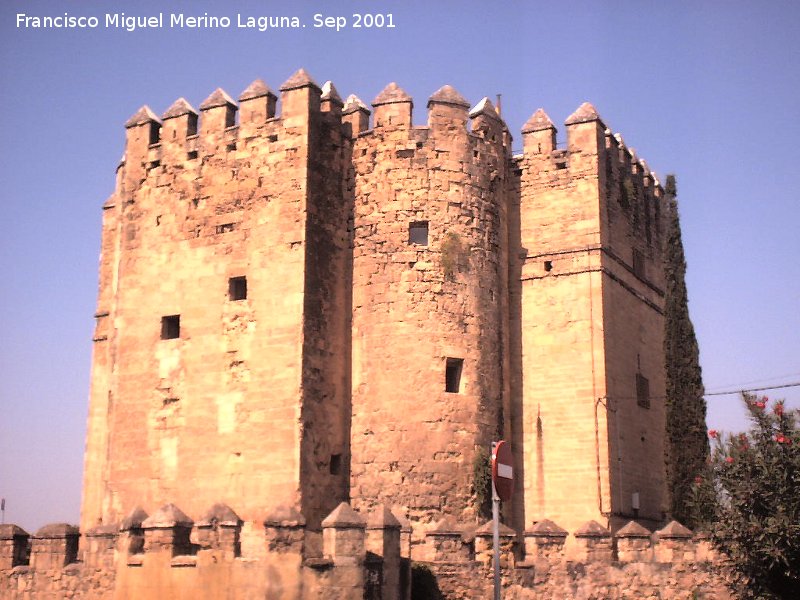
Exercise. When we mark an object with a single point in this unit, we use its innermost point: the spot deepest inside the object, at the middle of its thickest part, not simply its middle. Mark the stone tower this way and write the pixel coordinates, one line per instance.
(304, 308)
(221, 357)
(429, 309)
(591, 310)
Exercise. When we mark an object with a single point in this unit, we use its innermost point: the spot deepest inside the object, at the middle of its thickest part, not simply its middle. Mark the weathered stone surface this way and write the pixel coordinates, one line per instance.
(538, 122)
(178, 108)
(142, 116)
(391, 94)
(257, 89)
(447, 94)
(168, 515)
(299, 79)
(218, 97)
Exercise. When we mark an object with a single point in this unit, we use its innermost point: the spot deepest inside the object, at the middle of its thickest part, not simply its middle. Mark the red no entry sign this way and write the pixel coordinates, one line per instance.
(503, 470)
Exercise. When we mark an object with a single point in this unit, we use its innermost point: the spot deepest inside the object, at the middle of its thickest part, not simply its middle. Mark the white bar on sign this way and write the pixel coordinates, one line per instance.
(505, 471)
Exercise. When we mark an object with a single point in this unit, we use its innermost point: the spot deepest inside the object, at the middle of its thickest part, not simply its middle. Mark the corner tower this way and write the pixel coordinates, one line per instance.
(591, 327)
(210, 382)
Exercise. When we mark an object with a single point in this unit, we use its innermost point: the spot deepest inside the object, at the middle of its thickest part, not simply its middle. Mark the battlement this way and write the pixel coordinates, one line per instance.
(168, 554)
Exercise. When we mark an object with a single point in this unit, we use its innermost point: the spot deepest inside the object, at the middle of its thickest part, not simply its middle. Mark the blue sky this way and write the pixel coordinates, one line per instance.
(707, 90)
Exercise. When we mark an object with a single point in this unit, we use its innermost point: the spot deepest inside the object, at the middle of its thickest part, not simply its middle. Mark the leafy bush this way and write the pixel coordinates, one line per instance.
(750, 500)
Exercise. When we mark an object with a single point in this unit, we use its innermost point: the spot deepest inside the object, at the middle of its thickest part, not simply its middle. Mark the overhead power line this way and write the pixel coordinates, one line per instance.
(758, 389)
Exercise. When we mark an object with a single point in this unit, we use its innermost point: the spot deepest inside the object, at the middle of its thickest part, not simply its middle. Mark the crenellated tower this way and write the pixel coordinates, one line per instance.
(304, 301)
(591, 326)
(221, 356)
(429, 313)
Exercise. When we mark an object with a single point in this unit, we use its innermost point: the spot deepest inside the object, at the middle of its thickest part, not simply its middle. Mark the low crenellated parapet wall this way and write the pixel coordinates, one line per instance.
(168, 555)
(547, 562)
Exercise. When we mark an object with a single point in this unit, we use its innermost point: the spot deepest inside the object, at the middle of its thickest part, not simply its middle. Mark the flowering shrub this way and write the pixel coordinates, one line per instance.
(750, 501)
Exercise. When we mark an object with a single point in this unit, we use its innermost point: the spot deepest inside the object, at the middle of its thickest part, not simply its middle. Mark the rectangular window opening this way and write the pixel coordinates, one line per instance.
(237, 288)
(452, 375)
(418, 233)
(336, 464)
(191, 155)
(170, 327)
(642, 391)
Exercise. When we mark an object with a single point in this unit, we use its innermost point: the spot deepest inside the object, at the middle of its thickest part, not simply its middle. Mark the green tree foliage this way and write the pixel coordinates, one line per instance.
(750, 498)
(686, 446)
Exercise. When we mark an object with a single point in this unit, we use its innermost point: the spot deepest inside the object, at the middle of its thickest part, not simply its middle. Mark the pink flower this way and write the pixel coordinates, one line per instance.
(778, 410)
(712, 433)
(698, 480)
(760, 404)
(729, 459)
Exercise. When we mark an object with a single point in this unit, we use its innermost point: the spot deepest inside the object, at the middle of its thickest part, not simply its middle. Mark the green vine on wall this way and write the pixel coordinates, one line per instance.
(482, 481)
(455, 257)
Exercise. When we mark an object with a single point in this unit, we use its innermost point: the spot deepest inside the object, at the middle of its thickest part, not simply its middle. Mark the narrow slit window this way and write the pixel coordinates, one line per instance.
(237, 288)
(170, 327)
(452, 375)
(642, 391)
(418, 233)
(336, 464)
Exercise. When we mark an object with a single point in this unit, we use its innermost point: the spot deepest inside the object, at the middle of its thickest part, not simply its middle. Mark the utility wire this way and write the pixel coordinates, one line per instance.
(758, 389)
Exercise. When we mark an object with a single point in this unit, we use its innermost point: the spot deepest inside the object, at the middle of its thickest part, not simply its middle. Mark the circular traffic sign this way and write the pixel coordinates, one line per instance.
(503, 470)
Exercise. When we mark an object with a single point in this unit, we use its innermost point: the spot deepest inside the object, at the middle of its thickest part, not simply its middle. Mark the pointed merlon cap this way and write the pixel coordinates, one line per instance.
(633, 530)
(142, 116)
(300, 79)
(620, 140)
(344, 517)
(391, 94)
(57, 530)
(217, 98)
(110, 530)
(447, 94)
(586, 113)
(9, 531)
(539, 121)
(354, 103)
(168, 515)
(330, 93)
(382, 518)
(547, 528)
(488, 529)
(257, 89)
(179, 108)
(219, 514)
(285, 516)
(134, 520)
(485, 108)
(447, 526)
(592, 529)
(674, 530)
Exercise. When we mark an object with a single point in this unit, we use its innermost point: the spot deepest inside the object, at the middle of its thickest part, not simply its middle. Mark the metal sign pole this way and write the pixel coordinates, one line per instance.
(496, 534)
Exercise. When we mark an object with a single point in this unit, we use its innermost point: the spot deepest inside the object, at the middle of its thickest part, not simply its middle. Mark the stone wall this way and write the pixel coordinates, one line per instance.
(429, 303)
(167, 555)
